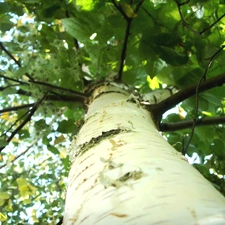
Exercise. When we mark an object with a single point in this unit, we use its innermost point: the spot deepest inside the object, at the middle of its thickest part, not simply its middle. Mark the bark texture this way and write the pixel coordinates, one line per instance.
(124, 171)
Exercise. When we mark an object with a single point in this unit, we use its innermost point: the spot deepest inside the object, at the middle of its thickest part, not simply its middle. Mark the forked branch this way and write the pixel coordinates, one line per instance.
(128, 19)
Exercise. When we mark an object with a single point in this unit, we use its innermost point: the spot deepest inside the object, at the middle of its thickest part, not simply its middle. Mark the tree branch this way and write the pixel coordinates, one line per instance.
(9, 54)
(160, 108)
(182, 18)
(13, 58)
(124, 49)
(56, 97)
(80, 97)
(60, 221)
(167, 127)
(70, 91)
(25, 121)
(15, 122)
(15, 108)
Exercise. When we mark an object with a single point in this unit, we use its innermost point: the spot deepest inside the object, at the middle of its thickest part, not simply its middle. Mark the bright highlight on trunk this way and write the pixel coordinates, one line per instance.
(124, 171)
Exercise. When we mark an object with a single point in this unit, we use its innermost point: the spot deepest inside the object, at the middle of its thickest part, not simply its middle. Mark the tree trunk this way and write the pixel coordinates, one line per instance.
(124, 171)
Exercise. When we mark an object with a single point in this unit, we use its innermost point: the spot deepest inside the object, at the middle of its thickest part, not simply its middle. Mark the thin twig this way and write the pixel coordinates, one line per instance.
(146, 11)
(18, 156)
(203, 78)
(210, 26)
(15, 80)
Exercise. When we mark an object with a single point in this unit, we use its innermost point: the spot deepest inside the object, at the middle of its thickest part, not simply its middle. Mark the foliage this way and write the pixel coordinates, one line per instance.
(52, 50)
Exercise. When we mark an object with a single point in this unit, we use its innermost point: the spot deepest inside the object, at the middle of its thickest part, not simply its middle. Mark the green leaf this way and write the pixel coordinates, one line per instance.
(53, 149)
(218, 148)
(66, 163)
(153, 68)
(82, 27)
(128, 10)
(20, 72)
(24, 134)
(202, 169)
(4, 195)
(40, 124)
(172, 57)
(66, 126)
(175, 140)
(166, 39)
(187, 77)
(6, 23)
(50, 11)
(129, 76)
(46, 140)
(86, 5)
(8, 91)
(4, 7)
(173, 117)
(3, 142)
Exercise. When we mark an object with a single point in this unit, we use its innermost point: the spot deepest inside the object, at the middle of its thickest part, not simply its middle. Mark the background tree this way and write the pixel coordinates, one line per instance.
(51, 51)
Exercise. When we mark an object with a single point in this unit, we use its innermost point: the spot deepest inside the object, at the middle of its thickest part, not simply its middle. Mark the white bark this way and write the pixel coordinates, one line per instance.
(126, 173)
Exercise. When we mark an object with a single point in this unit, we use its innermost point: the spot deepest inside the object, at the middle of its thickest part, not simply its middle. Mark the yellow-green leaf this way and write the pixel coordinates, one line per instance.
(128, 10)
(3, 217)
(4, 195)
(9, 207)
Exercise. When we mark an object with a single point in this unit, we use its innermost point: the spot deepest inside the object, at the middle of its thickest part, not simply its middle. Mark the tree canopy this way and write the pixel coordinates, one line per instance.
(51, 51)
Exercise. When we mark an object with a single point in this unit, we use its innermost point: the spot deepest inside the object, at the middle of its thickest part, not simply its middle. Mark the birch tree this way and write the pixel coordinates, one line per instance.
(124, 172)
(85, 89)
